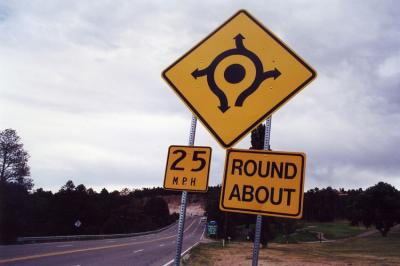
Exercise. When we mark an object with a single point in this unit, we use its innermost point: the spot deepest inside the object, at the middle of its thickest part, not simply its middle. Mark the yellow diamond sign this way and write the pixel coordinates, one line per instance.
(237, 77)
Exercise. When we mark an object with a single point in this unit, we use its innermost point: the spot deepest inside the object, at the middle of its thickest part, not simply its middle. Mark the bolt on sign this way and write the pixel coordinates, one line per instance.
(187, 168)
(263, 182)
(237, 77)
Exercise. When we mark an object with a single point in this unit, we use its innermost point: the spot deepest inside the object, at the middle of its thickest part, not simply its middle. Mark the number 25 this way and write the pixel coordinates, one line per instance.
(195, 158)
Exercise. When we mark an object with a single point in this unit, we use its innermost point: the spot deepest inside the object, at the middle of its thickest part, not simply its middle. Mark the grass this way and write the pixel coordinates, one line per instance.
(204, 254)
(300, 236)
(370, 250)
(332, 231)
(335, 230)
(374, 245)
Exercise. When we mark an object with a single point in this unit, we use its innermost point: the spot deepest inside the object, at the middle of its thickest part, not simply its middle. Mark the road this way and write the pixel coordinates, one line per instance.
(152, 249)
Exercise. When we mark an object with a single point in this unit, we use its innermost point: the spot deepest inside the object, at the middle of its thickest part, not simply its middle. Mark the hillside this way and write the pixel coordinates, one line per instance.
(195, 206)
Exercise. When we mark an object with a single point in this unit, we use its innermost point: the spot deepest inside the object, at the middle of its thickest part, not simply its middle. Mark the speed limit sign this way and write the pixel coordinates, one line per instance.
(187, 168)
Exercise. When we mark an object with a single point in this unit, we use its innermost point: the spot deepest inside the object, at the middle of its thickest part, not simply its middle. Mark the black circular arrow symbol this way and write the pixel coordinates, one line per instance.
(235, 73)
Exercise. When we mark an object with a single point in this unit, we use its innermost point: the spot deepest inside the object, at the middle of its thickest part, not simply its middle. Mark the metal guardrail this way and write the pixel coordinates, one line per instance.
(34, 239)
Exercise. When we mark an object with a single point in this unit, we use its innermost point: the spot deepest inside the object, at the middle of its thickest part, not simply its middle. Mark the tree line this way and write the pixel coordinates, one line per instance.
(75, 210)
(80, 210)
(377, 206)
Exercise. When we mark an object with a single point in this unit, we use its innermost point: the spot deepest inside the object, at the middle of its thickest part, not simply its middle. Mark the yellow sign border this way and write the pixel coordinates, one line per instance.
(266, 213)
(269, 112)
(208, 170)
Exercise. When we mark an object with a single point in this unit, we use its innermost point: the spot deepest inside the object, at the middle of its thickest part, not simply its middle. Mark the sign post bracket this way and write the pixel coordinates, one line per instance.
(182, 210)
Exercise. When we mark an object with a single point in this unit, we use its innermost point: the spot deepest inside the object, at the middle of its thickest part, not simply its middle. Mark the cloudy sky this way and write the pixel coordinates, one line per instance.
(80, 82)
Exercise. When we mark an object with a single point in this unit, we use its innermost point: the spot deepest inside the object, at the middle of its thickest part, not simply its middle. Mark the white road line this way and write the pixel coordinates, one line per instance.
(139, 250)
(161, 245)
(110, 241)
(63, 246)
(183, 253)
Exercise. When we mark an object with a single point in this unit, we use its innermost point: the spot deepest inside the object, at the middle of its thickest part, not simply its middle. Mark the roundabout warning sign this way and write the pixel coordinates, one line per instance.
(237, 77)
(235, 73)
(263, 182)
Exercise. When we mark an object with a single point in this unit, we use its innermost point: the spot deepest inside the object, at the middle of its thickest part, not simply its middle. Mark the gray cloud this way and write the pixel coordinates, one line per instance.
(81, 85)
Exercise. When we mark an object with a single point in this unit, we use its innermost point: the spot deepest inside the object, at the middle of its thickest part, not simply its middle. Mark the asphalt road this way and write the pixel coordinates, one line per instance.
(152, 249)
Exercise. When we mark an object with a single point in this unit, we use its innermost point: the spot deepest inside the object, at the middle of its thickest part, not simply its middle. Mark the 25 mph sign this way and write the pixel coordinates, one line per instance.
(187, 168)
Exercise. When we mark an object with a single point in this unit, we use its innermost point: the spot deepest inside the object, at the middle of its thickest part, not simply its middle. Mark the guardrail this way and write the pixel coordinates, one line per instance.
(34, 239)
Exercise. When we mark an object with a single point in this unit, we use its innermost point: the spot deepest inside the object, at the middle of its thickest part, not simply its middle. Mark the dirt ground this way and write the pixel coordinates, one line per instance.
(371, 250)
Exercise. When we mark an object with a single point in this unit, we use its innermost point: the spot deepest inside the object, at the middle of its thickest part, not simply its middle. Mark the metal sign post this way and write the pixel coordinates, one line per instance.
(256, 248)
(182, 211)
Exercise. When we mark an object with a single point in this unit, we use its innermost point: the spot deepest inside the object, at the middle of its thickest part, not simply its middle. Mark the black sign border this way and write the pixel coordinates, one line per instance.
(266, 115)
(267, 213)
(208, 170)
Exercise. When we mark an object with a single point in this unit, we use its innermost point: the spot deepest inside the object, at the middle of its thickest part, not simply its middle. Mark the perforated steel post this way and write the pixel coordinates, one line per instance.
(182, 210)
(257, 234)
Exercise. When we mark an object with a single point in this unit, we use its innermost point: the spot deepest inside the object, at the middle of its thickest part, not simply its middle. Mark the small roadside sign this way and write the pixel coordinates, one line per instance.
(264, 182)
(187, 168)
(212, 228)
(237, 77)
(78, 223)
